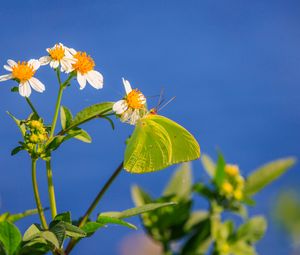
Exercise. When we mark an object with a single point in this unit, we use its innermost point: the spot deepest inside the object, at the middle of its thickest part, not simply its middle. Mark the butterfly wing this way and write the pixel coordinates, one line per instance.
(158, 142)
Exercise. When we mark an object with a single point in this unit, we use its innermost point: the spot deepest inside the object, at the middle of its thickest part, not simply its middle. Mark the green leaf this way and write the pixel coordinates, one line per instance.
(66, 217)
(51, 238)
(80, 134)
(32, 232)
(139, 196)
(267, 174)
(195, 219)
(73, 231)
(181, 182)
(220, 171)
(137, 210)
(19, 124)
(59, 230)
(253, 230)
(91, 227)
(91, 112)
(14, 89)
(65, 117)
(37, 246)
(17, 150)
(10, 237)
(110, 220)
(208, 165)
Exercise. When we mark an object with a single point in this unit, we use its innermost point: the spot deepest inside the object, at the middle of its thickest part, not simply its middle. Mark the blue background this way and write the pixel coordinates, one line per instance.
(232, 65)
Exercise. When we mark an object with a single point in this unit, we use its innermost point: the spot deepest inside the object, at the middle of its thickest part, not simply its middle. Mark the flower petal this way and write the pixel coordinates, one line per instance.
(24, 89)
(120, 106)
(11, 62)
(45, 60)
(81, 80)
(127, 86)
(7, 68)
(5, 77)
(36, 84)
(95, 79)
(34, 63)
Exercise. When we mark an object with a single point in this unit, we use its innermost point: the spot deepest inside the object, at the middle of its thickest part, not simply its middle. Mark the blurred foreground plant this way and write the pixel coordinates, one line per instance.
(214, 230)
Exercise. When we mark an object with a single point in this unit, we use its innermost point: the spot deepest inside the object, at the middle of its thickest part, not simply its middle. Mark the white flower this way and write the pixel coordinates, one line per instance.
(59, 55)
(132, 107)
(84, 67)
(23, 73)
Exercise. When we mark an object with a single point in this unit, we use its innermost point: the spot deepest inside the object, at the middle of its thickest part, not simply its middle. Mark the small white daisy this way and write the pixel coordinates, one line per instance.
(84, 67)
(132, 107)
(23, 73)
(58, 55)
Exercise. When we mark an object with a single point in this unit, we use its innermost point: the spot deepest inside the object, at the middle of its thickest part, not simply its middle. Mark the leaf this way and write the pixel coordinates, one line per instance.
(14, 89)
(208, 165)
(32, 232)
(195, 219)
(51, 238)
(110, 220)
(253, 230)
(65, 117)
(56, 141)
(137, 210)
(73, 231)
(267, 174)
(19, 216)
(19, 124)
(139, 196)
(66, 217)
(37, 246)
(10, 237)
(220, 171)
(16, 150)
(80, 134)
(59, 230)
(181, 182)
(91, 112)
(91, 227)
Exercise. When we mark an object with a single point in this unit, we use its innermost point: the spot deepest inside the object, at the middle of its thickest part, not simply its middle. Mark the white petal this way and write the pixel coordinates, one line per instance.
(11, 62)
(5, 77)
(36, 84)
(120, 106)
(66, 66)
(35, 63)
(45, 60)
(71, 50)
(127, 86)
(7, 68)
(24, 89)
(55, 63)
(81, 80)
(95, 79)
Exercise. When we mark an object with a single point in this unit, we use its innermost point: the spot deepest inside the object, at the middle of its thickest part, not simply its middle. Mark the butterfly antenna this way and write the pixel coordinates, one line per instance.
(160, 99)
(167, 103)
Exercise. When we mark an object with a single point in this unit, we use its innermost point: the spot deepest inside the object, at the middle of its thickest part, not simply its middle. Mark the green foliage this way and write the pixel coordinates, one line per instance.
(18, 216)
(158, 142)
(10, 238)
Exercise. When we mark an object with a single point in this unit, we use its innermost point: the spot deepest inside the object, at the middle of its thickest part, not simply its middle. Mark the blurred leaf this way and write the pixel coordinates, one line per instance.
(220, 171)
(195, 219)
(66, 217)
(10, 237)
(80, 134)
(181, 182)
(91, 227)
(203, 190)
(267, 174)
(32, 232)
(208, 165)
(37, 246)
(59, 230)
(16, 150)
(51, 238)
(110, 220)
(253, 230)
(137, 210)
(65, 117)
(19, 124)
(139, 196)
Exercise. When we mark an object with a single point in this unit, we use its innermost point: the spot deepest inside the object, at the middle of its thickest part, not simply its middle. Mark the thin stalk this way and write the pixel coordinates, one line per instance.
(31, 106)
(94, 204)
(57, 106)
(37, 196)
(51, 189)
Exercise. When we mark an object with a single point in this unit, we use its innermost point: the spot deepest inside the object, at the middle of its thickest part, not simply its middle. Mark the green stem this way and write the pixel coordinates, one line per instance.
(166, 249)
(92, 207)
(51, 189)
(37, 196)
(57, 106)
(31, 106)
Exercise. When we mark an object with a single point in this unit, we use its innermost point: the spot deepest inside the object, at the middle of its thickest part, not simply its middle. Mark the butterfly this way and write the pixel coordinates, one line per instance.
(158, 142)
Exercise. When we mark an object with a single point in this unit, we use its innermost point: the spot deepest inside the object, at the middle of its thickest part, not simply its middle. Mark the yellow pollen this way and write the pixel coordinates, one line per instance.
(232, 170)
(84, 62)
(57, 53)
(134, 99)
(227, 188)
(22, 71)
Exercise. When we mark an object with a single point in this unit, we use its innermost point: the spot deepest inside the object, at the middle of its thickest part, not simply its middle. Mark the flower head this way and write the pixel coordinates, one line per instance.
(84, 68)
(58, 55)
(23, 73)
(132, 107)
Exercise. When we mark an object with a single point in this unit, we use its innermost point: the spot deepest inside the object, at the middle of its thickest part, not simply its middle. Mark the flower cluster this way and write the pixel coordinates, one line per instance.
(233, 184)
(80, 64)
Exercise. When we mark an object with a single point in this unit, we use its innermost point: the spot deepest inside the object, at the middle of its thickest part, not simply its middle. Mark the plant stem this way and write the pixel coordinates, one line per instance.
(166, 249)
(31, 106)
(51, 189)
(37, 196)
(92, 207)
(57, 106)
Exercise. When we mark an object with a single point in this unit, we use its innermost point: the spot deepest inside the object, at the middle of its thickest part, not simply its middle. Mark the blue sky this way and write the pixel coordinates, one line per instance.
(232, 65)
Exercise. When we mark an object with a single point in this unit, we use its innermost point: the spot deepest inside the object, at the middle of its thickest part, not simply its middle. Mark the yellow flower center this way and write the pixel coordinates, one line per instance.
(57, 53)
(232, 170)
(227, 188)
(135, 99)
(84, 62)
(22, 71)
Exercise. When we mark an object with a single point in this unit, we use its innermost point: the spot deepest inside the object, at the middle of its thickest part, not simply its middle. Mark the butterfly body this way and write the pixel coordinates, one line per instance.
(158, 142)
